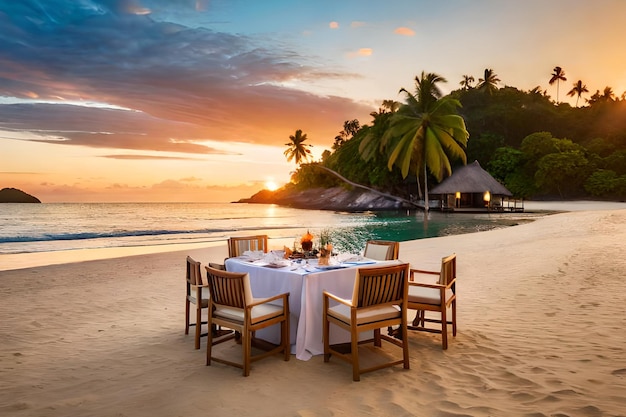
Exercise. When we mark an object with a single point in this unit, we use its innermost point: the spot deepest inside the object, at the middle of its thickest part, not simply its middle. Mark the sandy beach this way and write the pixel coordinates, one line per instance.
(541, 333)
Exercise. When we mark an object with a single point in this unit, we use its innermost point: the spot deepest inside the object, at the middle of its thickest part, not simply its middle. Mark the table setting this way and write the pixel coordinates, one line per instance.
(305, 279)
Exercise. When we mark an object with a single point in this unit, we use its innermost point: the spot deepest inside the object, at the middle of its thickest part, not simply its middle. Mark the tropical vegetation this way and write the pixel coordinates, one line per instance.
(537, 147)
(297, 149)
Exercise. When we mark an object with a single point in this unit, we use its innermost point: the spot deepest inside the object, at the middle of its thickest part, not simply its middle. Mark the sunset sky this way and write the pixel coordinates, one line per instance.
(194, 100)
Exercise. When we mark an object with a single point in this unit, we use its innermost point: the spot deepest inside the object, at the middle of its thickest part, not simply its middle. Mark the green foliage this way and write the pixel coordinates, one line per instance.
(505, 162)
(616, 162)
(483, 148)
(519, 136)
(538, 144)
(601, 183)
(310, 176)
(521, 185)
(562, 172)
(600, 146)
(371, 172)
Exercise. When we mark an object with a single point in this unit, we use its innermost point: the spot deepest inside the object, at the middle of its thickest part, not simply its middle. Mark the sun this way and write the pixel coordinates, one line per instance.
(271, 185)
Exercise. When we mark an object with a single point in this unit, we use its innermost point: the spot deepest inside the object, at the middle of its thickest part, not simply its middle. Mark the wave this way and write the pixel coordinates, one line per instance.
(125, 234)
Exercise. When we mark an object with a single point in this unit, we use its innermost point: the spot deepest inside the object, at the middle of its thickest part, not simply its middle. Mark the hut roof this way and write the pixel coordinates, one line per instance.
(471, 179)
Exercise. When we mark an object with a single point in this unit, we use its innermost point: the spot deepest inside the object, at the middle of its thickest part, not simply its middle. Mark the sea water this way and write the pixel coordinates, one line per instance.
(31, 228)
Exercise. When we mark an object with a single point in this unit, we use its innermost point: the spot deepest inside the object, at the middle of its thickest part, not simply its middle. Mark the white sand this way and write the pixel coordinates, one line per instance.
(541, 333)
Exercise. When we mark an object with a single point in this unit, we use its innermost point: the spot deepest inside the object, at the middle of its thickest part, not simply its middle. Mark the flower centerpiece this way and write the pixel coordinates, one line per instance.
(307, 242)
(326, 248)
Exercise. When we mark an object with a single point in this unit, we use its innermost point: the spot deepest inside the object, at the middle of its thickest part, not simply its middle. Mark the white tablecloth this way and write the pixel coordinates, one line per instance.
(305, 289)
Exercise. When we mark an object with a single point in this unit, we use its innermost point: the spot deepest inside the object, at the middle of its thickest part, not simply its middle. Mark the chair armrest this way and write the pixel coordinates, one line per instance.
(339, 300)
(413, 272)
(284, 296)
(422, 271)
(424, 285)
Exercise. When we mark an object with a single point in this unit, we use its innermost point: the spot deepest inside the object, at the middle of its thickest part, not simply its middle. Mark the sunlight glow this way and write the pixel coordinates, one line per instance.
(271, 185)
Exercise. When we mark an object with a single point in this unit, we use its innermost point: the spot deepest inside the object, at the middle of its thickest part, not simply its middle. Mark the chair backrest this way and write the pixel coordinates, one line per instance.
(386, 284)
(448, 269)
(238, 245)
(230, 289)
(215, 265)
(381, 250)
(194, 274)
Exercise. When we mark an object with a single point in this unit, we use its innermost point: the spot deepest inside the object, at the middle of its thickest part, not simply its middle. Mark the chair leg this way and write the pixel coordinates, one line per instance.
(354, 345)
(198, 325)
(209, 343)
(418, 321)
(454, 317)
(246, 342)
(444, 328)
(377, 340)
(326, 332)
(286, 339)
(186, 316)
(405, 346)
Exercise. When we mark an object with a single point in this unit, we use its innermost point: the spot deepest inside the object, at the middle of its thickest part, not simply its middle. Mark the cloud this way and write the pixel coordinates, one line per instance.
(333, 25)
(183, 84)
(357, 24)
(404, 31)
(361, 52)
(150, 157)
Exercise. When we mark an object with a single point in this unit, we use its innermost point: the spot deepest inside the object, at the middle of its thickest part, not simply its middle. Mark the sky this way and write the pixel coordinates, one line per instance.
(195, 100)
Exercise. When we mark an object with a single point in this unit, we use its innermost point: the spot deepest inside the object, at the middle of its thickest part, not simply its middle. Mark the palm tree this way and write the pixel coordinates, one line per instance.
(489, 81)
(557, 75)
(350, 128)
(391, 105)
(297, 149)
(608, 94)
(467, 82)
(578, 90)
(425, 132)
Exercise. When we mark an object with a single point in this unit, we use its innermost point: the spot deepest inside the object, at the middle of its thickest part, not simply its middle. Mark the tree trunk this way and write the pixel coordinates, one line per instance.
(354, 184)
(425, 190)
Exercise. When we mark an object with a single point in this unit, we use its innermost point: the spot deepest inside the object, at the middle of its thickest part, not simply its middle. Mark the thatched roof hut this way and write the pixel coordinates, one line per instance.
(471, 187)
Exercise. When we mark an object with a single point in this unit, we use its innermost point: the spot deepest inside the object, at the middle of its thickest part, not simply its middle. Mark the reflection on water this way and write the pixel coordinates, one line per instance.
(403, 226)
(27, 228)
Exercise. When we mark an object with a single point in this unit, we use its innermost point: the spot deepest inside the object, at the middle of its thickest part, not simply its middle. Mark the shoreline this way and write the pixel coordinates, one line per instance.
(540, 333)
(10, 262)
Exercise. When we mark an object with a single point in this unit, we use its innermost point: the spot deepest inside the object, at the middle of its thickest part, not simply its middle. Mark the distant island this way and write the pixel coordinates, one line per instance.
(334, 198)
(13, 195)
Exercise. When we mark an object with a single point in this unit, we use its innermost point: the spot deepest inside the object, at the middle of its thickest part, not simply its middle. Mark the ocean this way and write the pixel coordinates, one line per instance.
(32, 228)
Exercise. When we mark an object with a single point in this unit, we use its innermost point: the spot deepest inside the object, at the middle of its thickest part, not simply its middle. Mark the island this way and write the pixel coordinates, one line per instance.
(334, 198)
(13, 195)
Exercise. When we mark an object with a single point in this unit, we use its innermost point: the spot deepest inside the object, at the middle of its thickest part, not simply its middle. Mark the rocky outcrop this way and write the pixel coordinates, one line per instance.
(13, 195)
(336, 198)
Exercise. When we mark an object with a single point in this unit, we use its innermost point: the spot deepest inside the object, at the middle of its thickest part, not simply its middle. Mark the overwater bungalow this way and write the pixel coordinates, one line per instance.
(471, 188)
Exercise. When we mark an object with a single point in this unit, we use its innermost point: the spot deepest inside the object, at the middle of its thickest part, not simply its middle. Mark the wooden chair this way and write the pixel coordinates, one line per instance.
(231, 305)
(437, 296)
(238, 245)
(198, 295)
(381, 250)
(379, 300)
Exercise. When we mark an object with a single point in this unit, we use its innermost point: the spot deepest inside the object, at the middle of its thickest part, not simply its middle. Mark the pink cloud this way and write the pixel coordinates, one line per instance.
(404, 31)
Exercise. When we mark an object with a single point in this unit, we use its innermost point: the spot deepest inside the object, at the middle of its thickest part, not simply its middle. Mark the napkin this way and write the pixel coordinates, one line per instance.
(253, 255)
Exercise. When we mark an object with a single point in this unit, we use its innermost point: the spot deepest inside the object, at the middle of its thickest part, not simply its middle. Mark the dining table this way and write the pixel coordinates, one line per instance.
(305, 281)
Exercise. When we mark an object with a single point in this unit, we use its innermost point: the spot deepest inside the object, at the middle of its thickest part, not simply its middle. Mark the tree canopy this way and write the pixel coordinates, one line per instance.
(536, 147)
